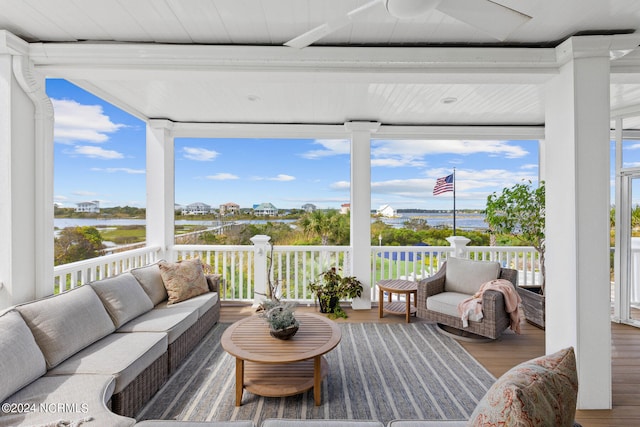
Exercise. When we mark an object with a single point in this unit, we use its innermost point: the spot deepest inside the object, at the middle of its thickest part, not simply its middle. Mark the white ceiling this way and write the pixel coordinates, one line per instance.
(222, 61)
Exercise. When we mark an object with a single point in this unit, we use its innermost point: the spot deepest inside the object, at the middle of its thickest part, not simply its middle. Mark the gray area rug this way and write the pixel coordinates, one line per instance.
(378, 371)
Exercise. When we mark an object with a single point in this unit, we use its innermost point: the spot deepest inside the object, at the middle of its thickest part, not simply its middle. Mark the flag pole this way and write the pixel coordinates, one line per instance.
(454, 201)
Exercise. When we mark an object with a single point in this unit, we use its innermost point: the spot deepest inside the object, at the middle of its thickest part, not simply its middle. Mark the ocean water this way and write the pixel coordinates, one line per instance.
(463, 221)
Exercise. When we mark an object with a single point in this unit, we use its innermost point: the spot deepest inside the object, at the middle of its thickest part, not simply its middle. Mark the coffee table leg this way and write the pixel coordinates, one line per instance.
(239, 380)
(317, 380)
(380, 302)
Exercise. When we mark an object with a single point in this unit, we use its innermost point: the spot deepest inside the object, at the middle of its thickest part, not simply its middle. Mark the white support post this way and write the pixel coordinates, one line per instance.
(577, 126)
(26, 177)
(260, 253)
(361, 207)
(160, 186)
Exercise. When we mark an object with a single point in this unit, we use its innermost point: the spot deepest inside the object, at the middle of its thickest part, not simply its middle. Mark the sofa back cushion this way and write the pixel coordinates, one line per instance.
(466, 276)
(123, 297)
(65, 324)
(151, 281)
(21, 361)
(542, 391)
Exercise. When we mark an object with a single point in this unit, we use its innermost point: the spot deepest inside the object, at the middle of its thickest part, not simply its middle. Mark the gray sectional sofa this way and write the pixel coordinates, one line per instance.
(98, 352)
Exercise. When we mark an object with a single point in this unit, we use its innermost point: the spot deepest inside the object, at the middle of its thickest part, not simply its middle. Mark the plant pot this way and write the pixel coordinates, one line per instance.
(533, 304)
(330, 307)
(284, 334)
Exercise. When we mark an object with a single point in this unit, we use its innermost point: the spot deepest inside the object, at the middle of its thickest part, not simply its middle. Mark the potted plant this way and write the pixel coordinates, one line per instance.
(520, 212)
(331, 287)
(280, 317)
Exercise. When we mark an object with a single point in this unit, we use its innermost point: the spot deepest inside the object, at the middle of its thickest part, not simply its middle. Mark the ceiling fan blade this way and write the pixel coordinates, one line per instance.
(320, 31)
(494, 19)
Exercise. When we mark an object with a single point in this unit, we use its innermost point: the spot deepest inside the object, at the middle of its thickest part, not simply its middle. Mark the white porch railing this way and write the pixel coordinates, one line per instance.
(294, 267)
(69, 276)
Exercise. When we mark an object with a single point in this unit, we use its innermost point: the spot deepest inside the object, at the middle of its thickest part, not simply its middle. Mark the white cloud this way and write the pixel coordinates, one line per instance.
(116, 170)
(97, 152)
(78, 122)
(199, 154)
(84, 193)
(330, 147)
(222, 176)
(416, 149)
(279, 177)
(282, 177)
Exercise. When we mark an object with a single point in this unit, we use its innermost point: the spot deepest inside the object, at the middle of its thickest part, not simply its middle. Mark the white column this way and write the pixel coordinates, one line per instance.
(361, 207)
(577, 214)
(26, 177)
(160, 186)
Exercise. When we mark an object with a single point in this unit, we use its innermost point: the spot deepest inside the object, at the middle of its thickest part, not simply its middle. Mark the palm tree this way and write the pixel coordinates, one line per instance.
(329, 225)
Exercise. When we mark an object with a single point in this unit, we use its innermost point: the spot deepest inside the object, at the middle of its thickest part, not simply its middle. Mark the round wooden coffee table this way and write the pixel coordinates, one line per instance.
(267, 366)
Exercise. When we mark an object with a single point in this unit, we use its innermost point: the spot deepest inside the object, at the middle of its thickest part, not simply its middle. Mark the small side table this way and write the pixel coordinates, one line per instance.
(394, 286)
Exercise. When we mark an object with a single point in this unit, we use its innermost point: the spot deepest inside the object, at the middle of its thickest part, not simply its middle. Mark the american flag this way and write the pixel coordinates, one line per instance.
(443, 185)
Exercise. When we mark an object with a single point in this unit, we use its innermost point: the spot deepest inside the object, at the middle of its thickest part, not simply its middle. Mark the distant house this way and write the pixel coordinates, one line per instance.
(90, 207)
(265, 209)
(345, 208)
(387, 211)
(309, 207)
(197, 208)
(229, 209)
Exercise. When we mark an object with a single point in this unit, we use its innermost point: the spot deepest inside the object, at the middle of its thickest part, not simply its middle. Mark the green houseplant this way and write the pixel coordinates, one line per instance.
(519, 211)
(280, 317)
(331, 287)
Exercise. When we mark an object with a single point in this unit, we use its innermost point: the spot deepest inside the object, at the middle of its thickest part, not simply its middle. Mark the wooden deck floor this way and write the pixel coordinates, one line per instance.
(501, 355)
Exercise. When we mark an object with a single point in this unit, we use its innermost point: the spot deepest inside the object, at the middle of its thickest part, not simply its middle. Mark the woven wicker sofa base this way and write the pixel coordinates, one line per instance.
(130, 400)
(182, 346)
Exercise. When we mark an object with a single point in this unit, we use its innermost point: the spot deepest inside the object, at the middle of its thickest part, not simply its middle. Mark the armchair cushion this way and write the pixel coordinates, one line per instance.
(447, 303)
(466, 276)
(539, 392)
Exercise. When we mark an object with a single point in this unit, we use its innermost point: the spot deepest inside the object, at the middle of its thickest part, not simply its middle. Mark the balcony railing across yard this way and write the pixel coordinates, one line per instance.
(292, 268)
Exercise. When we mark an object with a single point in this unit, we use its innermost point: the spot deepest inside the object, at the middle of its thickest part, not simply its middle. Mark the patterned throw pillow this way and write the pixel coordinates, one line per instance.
(539, 392)
(183, 279)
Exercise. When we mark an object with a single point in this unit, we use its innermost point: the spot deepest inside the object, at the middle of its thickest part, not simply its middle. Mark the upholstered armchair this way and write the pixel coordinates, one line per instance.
(458, 279)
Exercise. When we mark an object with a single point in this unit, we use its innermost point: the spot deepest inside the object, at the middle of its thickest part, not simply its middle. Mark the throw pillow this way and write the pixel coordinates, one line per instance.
(183, 279)
(539, 392)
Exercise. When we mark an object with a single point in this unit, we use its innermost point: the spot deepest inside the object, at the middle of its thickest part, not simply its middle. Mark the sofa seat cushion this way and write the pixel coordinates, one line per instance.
(447, 303)
(124, 356)
(123, 297)
(540, 392)
(66, 323)
(466, 276)
(21, 360)
(201, 303)
(69, 398)
(151, 281)
(173, 322)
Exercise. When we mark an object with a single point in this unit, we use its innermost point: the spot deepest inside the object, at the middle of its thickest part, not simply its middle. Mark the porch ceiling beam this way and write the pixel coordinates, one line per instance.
(337, 131)
(276, 63)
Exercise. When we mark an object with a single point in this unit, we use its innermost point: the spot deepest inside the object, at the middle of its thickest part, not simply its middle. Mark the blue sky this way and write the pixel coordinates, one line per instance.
(100, 155)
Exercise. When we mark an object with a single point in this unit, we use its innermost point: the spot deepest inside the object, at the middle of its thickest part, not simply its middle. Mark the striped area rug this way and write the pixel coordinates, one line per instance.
(378, 371)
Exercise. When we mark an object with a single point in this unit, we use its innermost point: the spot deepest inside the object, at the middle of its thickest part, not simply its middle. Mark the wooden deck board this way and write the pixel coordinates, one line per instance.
(501, 355)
